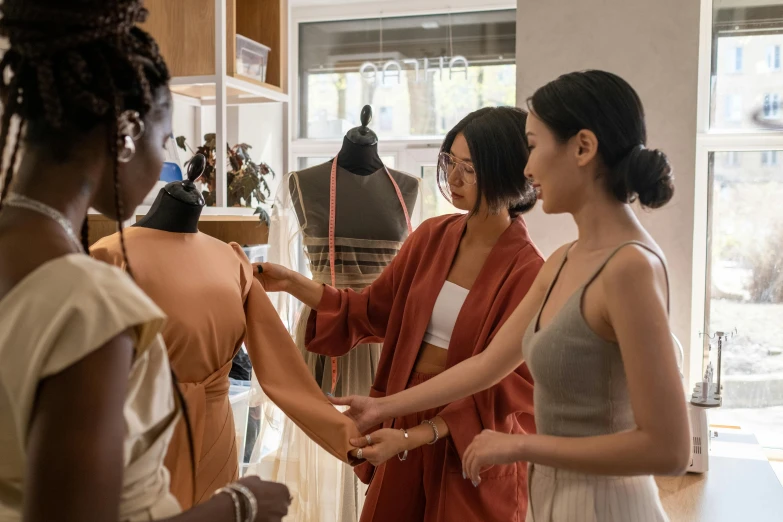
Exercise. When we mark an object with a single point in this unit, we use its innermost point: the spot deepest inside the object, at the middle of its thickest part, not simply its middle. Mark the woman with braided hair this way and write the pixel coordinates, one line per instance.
(87, 402)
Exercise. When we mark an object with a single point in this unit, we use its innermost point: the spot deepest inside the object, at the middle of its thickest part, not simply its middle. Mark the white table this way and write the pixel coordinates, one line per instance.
(739, 486)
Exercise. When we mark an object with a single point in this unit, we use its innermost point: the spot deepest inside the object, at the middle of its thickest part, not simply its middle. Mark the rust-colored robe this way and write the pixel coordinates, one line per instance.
(396, 309)
(213, 304)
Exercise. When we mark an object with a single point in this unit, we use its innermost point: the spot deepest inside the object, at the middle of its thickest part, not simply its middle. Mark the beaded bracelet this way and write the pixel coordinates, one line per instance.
(435, 429)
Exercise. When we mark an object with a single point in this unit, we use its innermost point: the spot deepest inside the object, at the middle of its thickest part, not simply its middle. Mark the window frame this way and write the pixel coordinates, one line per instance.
(709, 141)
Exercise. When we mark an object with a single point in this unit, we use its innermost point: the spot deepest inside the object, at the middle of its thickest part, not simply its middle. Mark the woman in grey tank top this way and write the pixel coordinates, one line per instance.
(594, 329)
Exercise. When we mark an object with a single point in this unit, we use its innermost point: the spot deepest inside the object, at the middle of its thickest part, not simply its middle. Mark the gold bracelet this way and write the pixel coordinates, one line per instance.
(404, 453)
(435, 429)
(234, 499)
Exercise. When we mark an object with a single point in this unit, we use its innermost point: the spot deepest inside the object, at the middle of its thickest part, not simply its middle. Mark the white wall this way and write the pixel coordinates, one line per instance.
(261, 127)
(184, 124)
(654, 45)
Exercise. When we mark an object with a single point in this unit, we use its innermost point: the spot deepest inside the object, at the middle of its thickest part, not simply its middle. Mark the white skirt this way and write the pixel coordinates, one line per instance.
(556, 495)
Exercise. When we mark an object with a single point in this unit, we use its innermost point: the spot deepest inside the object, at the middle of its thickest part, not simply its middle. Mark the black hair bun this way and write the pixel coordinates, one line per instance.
(645, 175)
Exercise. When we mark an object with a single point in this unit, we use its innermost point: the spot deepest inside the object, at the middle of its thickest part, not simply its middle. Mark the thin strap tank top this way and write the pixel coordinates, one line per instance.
(581, 388)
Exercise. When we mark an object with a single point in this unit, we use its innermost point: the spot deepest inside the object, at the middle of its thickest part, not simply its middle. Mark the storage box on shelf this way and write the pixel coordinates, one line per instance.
(252, 58)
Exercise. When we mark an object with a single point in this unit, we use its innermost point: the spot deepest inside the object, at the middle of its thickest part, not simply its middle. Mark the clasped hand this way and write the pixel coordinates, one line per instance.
(383, 445)
(363, 411)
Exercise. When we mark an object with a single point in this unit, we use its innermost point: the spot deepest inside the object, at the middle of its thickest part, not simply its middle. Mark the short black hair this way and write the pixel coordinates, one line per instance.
(499, 152)
(608, 106)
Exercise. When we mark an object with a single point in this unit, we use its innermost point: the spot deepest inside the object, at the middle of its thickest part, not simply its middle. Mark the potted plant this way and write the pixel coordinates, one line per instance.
(247, 184)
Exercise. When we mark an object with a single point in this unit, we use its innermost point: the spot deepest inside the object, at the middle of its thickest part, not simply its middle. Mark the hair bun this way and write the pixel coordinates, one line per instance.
(646, 175)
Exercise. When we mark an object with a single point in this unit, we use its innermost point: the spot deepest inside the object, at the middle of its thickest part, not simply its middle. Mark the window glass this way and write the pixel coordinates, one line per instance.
(421, 74)
(745, 288)
(746, 63)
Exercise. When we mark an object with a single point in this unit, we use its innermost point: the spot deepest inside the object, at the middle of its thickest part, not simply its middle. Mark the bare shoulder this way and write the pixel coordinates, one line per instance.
(554, 261)
(551, 266)
(635, 266)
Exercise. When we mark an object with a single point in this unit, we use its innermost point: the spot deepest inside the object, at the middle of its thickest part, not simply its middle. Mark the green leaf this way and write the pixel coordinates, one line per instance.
(263, 216)
(266, 187)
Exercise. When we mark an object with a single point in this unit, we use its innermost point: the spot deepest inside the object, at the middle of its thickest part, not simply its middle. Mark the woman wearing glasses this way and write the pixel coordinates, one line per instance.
(454, 283)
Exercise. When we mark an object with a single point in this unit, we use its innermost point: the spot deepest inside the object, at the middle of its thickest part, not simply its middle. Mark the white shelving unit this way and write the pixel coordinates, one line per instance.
(197, 38)
(222, 87)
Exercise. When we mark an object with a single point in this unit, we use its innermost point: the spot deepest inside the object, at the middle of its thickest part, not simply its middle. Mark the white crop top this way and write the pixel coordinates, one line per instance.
(444, 315)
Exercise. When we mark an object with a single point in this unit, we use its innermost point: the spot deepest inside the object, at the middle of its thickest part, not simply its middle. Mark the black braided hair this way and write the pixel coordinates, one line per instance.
(73, 65)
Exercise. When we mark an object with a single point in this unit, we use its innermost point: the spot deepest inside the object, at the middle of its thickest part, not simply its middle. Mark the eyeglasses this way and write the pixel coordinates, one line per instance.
(448, 163)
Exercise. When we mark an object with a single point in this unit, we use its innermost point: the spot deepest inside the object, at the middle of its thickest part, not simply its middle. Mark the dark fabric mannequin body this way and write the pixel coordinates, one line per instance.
(367, 209)
(361, 160)
(360, 201)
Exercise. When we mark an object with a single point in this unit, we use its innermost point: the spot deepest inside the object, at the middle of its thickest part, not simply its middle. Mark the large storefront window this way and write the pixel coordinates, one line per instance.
(421, 74)
(744, 283)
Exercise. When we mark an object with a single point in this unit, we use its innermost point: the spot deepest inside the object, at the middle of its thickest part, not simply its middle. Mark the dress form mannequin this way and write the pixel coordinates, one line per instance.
(367, 207)
(178, 205)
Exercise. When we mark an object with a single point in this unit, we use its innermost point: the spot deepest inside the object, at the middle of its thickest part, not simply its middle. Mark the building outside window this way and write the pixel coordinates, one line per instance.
(742, 186)
(773, 58)
(734, 59)
(772, 106)
(731, 159)
(769, 158)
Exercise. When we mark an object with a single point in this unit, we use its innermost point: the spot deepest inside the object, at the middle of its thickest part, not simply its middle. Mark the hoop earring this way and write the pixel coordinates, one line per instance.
(130, 122)
(128, 150)
(139, 130)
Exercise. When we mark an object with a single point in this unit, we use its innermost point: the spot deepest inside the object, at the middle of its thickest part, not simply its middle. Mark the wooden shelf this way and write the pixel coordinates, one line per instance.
(207, 214)
(231, 219)
(239, 91)
(241, 228)
(185, 32)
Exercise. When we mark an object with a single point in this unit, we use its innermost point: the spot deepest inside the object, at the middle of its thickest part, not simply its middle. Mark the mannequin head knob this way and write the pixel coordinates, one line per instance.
(363, 135)
(366, 115)
(196, 168)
